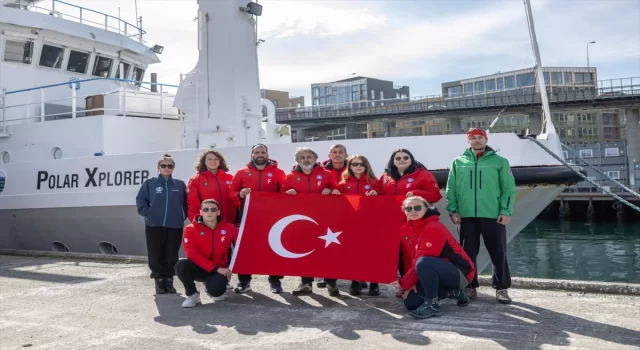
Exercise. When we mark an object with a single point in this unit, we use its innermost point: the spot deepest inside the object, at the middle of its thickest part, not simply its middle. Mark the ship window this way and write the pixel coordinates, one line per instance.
(5, 157)
(18, 51)
(102, 66)
(138, 74)
(127, 68)
(57, 152)
(51, 56)
(3, 179)
(78, 62)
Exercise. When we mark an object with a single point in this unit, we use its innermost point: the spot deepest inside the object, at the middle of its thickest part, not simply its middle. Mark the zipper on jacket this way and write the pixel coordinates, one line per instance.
(480, 179)
(221, 197)
(475, 190)
(358, 185)
(470, 179)
(213, 241)
(309, 181)
(260, 180)
(166, 203)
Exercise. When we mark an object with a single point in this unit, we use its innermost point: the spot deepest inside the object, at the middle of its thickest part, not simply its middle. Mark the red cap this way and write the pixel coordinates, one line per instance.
(476, 131)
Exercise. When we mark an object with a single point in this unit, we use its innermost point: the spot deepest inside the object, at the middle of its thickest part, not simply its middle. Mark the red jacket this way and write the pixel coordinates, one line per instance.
(319, 179)
(358, 186)
(209, 248)
(421, 182)
(429, 237)
(205, 185)
(269, 179)
(337, 173)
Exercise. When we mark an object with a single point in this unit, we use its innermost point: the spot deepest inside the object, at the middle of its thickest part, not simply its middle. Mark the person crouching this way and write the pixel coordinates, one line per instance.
(440, 268)
(208, 244)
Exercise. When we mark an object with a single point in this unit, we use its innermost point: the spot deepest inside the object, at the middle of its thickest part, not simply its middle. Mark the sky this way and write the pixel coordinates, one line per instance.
(419, 43)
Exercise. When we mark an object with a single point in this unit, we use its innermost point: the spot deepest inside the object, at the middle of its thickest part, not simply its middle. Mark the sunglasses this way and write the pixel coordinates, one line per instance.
(166, 166)
(206, 210)
(356, 164)
(415, 207)
(398, 158)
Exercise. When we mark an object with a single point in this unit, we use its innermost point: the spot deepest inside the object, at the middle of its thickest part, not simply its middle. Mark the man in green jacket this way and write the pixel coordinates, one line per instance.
(480, 193)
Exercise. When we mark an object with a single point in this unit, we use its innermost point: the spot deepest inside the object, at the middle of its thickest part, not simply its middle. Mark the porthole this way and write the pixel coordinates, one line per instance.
(57, 152)
(5, 157)
(3, 179)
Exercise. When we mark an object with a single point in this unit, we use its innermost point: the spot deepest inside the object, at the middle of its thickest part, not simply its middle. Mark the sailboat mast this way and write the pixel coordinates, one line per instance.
(548, 126)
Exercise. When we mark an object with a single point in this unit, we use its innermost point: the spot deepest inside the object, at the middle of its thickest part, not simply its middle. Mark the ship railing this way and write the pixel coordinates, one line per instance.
(93, 18)
(103, 96)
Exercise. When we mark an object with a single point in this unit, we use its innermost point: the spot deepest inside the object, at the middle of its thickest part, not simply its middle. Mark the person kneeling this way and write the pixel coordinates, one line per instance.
(208, 244)
(440, 268)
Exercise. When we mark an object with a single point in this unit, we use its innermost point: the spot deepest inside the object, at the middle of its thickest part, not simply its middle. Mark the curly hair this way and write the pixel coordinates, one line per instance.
(201, 166)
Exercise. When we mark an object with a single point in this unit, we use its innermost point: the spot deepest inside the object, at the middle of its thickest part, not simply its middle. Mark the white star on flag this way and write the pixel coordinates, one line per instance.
(330, 237)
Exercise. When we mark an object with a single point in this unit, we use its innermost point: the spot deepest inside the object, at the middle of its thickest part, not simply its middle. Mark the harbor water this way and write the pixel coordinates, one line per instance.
(599, 251)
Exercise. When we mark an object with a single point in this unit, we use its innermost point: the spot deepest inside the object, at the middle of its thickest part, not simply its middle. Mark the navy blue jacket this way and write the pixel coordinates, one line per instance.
(163, 202)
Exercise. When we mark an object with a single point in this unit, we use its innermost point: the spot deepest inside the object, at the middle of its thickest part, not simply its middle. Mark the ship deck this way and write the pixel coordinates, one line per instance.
(49, 302)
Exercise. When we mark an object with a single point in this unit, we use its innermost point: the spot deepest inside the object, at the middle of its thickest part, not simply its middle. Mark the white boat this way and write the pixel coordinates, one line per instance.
(77, 138)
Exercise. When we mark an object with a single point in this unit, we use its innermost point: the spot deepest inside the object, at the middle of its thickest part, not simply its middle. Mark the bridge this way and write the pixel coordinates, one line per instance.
(614, 93)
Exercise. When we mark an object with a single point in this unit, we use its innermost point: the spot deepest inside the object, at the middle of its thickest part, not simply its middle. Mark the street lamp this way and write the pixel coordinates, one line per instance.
(591, 42)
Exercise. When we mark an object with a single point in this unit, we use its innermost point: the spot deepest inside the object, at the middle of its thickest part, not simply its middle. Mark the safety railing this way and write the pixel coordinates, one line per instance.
(111, 96)
(91, 17)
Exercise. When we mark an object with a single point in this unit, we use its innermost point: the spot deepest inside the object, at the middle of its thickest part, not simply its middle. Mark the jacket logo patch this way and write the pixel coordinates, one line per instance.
(366, 187)
(269, 174)
(250, 174)
(298, 179)
(222, 239)
(186, 240)
(268, 181)
(159, 189)
(410, 179)
(406, 238)
(318, 183)
(319, 177)
(201, 233)
(228, 182)
(428, 244)
(206, 184)
(224, 232)
(408, 185)
(348, 187)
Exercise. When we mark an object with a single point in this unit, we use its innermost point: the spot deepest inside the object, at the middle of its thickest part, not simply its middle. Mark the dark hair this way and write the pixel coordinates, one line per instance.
(209, 201)
(259, 145)
(201, 166)
(370, 176)
(392, 170)
(167, 157)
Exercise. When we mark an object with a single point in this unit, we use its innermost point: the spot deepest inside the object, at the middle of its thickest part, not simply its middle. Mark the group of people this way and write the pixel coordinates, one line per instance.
(432, 264)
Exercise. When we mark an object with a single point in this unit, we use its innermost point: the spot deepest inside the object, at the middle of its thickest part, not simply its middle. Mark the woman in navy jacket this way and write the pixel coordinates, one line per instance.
(162, 201)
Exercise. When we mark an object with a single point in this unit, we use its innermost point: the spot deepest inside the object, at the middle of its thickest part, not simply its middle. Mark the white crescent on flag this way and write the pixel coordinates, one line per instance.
(275, 236)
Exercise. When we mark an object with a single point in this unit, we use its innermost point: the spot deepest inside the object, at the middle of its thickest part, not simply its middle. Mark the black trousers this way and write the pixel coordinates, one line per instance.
(494, 235)
(244, 279)
(188, 273)
(163, 246)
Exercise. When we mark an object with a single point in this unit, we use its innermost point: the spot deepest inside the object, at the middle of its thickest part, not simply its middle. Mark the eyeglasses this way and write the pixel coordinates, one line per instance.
(206, 210)
(356, 164)
(415, 207)
(398, 158)
(166, 166)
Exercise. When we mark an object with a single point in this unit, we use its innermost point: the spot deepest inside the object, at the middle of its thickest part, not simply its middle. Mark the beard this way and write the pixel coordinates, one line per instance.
(260, 161)
(306, 166)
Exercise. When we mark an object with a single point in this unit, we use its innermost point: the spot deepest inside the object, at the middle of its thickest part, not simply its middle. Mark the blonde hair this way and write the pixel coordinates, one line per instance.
(417, 198)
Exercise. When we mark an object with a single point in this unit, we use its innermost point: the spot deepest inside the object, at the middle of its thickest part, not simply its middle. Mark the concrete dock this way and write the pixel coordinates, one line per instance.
(54, 303)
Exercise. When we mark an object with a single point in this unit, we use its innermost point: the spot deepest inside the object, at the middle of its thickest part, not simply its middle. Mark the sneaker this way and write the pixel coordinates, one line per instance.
(333, 289)
(374, 290)
(321, 283)
(192, 300)
(460, 296)
(243, 288)
(220, 298)
(472, 293)
(427, 309)
(502, 296)
(355, 288)
(276, 288)
(303, 289)
(160, 288)
(168, 285)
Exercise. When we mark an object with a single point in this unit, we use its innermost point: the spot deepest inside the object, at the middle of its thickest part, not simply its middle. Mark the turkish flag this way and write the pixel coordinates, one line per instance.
(335, 236)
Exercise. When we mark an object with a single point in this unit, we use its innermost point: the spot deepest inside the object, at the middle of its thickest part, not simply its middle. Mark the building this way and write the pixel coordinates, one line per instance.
(357, 89)
(281, 99)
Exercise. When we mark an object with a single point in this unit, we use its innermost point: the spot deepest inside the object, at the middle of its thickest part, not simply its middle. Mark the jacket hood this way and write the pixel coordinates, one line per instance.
(270, 163)
(470, 153)
(410, 170)
(316, 168)
(431, 215)
(208, 173)
(329, 164)
(197, 220)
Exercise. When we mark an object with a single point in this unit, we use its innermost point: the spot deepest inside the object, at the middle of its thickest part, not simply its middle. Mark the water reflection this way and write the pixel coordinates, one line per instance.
(607, 252)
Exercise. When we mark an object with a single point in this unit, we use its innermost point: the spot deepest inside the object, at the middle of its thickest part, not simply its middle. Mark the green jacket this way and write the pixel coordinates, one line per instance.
(480, 188)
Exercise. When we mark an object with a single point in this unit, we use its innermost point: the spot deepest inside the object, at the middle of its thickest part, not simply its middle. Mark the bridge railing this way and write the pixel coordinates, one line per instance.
(609, 90)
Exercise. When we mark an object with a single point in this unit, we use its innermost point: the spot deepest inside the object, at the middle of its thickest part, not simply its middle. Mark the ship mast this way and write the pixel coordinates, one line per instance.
(547, 126)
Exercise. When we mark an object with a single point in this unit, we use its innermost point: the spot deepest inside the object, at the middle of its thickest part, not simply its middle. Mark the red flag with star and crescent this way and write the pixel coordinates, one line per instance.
(334, 236)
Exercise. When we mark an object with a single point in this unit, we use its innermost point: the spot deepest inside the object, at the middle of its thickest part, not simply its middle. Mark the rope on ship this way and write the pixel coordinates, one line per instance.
(622, 200)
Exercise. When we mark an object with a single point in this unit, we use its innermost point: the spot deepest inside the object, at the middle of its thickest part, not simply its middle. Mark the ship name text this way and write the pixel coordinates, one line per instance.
(92, 178)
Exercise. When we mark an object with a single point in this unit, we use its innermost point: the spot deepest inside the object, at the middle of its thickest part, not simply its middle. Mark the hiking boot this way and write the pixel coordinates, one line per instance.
(192, 300)
(168, 285)
(333, 289)
(374, 290)
(321, 283)
(364, 285)
(428, 309)
(303, 289)
(276, 287)
(502, 296)
(160, 288)
(355, 288)
(460, 296)
(243, 287)
(472, 293)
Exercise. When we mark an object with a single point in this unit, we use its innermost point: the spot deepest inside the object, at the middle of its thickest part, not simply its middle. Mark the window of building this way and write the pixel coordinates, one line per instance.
(611, 133)
(327, 90)
(527, 79)
(18, 51)
(468, 88)
(315, 101)
(355, 95)
(490, 84)
(138, 74)
(568, 77)
(127, 68)
(373, 94)
(51, 56)
(612, 152)
(454, 91)
(584, 78)
(499, 84)
(510, 82)
(566, 154)
(316, 92)
(479, 86)
(78, 62)
(586, 153)
(102, 66)
(614, 174)
(382, 95)
(321, 100)
(556, 78)
(547, 78)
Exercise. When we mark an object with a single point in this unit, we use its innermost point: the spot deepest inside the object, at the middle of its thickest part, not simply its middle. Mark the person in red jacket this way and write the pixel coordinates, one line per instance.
(208, 244)
(263, 175)
(310, 177)
(404, 176)
(358, 179)
(439, 266)
(211, 182)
